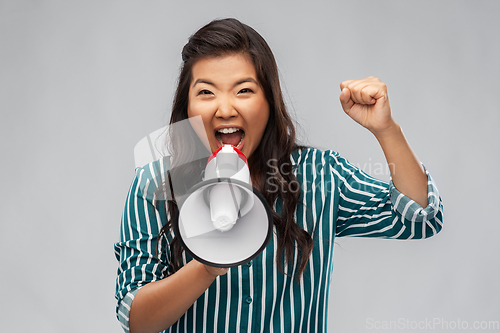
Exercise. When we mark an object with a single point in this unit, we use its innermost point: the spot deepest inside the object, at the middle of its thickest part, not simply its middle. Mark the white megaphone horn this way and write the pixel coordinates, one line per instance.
(224, 221)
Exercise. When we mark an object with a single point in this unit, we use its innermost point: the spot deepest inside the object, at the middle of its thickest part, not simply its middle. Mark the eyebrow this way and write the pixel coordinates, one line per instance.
(213, 84)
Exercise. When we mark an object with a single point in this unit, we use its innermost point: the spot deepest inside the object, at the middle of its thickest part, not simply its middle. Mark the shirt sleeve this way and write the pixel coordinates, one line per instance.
(369, 207)
(137, 250)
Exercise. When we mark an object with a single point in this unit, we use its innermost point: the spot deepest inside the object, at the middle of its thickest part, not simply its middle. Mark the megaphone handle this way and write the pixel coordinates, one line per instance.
(235, 201)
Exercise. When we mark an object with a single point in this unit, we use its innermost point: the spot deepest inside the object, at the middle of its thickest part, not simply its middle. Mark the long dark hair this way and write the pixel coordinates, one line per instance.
(271, 157)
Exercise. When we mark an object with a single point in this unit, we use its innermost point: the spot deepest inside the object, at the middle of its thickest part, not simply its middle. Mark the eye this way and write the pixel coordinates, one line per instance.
(245, 90)
(205, 92)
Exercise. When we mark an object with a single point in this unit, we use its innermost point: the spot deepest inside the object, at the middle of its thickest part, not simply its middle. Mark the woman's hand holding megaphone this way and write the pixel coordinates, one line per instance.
(216, 271)
(161, 303)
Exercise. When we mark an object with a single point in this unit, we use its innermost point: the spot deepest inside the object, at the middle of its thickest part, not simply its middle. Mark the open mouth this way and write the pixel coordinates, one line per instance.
(230, 136)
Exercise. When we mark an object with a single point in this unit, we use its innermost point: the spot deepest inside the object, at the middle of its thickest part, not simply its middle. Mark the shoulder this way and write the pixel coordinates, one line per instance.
(154, 169)
(313, 156)
(151, 176)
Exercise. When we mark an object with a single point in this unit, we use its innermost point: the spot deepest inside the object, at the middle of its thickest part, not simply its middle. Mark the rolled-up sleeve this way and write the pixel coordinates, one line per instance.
(421, 222)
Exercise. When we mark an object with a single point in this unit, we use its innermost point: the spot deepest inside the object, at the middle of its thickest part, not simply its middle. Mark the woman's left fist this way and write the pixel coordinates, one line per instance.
(366, 102)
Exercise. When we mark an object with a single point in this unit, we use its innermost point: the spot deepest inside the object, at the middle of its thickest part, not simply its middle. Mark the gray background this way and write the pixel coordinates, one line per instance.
(82, 82)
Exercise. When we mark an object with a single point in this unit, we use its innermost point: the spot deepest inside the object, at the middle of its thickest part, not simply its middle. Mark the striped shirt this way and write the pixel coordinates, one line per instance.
(337, 199)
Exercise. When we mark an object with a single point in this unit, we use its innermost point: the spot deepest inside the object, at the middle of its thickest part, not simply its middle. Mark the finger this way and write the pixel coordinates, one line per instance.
(345, 100)
(378, 91)
(351, 83)
(356, 89)
(368, 92)
(223, 271)
(216, 271)
(346, 83)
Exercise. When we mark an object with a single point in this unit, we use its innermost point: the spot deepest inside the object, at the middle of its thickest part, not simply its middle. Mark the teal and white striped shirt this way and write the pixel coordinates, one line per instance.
(337, 199)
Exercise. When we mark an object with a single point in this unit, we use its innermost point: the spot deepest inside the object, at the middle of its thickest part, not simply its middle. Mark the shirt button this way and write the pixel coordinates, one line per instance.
(249, 300)
(249, 264)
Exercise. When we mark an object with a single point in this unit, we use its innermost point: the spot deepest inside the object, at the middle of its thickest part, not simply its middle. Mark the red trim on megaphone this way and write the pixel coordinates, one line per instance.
(240, 154)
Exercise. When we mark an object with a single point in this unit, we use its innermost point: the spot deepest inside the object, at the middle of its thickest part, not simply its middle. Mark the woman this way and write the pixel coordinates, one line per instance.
(229, 78)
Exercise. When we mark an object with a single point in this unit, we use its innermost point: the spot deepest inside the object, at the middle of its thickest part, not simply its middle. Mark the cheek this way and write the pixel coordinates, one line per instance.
(261, 117)
(196, 111)
(191, 109)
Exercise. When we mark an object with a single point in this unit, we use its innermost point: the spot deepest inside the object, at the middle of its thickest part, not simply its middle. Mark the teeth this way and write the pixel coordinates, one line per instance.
(228, 130)
(239, 143)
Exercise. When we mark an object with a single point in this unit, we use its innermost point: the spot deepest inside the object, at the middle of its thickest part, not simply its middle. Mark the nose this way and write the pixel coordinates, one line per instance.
(226, 109)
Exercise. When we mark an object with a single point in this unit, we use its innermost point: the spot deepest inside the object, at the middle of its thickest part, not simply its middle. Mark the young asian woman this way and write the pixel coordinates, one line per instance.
(230, 79)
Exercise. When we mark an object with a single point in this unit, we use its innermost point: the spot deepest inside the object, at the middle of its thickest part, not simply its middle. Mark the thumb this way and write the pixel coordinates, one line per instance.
(345, 100)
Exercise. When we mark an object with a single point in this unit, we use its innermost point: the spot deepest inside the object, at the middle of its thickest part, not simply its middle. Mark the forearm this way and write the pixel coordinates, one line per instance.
(160, 304)
(366, 102)
(407, 173)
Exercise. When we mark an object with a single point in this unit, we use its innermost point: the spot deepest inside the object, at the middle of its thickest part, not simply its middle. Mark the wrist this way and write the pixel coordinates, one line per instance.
(390, 132)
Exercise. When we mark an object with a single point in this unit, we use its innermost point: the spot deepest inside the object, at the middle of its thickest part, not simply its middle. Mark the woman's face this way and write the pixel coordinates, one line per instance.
(225, 92)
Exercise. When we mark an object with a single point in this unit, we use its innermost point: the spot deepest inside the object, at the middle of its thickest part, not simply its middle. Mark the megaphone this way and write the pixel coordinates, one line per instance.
(223, 220)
